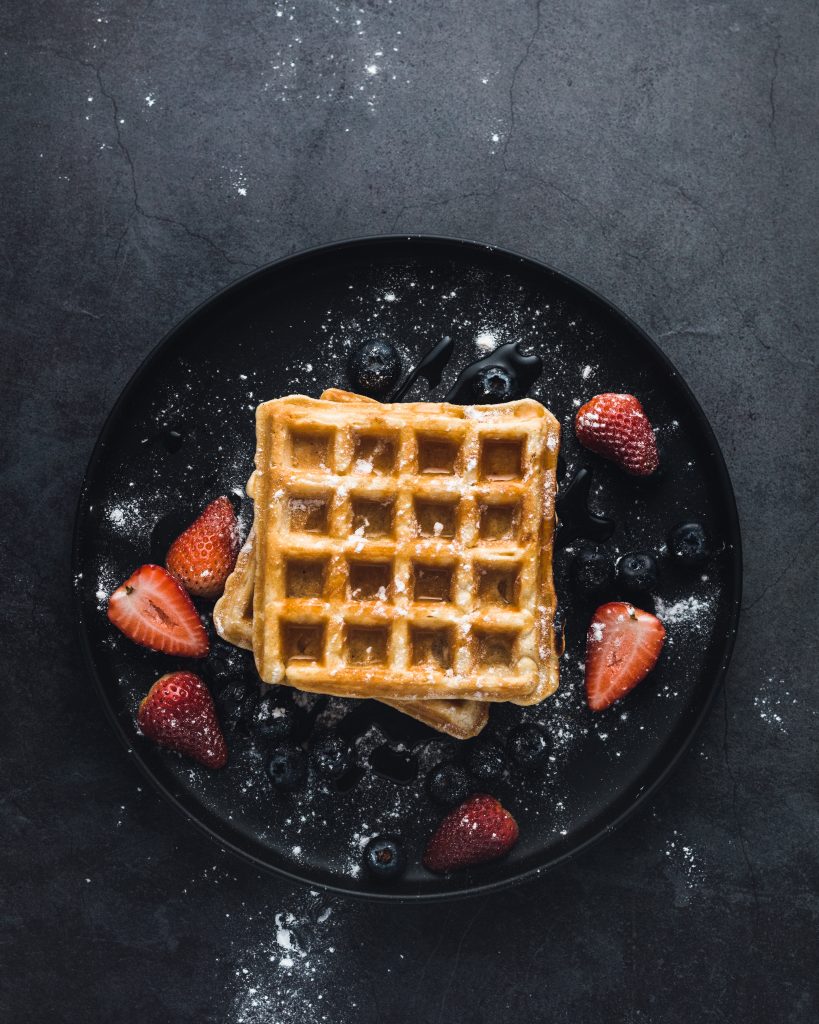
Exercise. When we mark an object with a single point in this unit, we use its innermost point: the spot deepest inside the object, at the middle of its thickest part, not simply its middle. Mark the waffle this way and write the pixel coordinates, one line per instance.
(404, 551)
(233, 618)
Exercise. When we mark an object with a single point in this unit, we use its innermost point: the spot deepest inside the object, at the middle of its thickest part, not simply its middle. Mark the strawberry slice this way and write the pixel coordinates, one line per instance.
(479, 830)
(152, 609)
(203, 556)
(178, 713)
(616, 427)
(622, 647)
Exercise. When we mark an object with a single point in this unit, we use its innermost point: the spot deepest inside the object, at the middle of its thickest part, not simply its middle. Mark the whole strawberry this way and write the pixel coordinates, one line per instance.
(616, 427)
(178, 713)
(203, 556)
(478, 830)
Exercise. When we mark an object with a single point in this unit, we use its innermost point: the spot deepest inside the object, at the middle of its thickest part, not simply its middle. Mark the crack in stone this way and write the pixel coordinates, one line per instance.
(791, 562)
(514, 79)
(575, 200)
(457, 959)
(771, 88)
(79, 311)
(742, 315)
(687, 332)
(734, 794)
(139, 209)
(478, 194)
(642, 258)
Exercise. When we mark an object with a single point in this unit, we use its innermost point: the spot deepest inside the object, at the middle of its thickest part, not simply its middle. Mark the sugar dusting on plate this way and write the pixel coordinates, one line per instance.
(692, 612)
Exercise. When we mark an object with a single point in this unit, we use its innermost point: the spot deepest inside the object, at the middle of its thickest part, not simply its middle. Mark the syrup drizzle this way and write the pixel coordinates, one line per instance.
(524, 371)
(171, 439)
(396, 765)
(575, 518)
(430, 368)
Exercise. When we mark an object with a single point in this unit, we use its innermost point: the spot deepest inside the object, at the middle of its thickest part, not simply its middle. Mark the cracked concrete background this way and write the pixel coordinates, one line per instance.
(665, 154)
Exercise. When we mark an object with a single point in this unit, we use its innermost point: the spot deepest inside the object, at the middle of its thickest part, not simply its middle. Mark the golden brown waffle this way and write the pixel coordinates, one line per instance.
(233, 618)
(404, 551)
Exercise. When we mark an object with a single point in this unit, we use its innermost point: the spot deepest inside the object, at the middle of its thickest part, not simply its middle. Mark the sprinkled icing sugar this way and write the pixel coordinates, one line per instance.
(682, 868)
(691, 611)
(486, 341)
(289, 978)
(773, 704)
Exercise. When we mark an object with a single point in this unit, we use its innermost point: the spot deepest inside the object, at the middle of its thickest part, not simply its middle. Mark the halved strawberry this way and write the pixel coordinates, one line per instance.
(479, 830)
(616, 427)
(203, 556)
(178, 713)
(152, 609)
(622, 647)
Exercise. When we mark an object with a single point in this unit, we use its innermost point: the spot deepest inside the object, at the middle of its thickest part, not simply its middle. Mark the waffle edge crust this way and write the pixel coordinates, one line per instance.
(404, 552)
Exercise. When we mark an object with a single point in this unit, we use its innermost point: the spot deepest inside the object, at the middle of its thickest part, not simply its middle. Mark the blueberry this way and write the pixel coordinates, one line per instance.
(374, 368)
(592, 570)
(493, 384)
(486, 761)
(448, 784)
(331, 756)
(219, 674)
(286, 767)
(384, 858)
(529, 746)
(637, 570)
(235, 704)
(271, 723)
(688, 543)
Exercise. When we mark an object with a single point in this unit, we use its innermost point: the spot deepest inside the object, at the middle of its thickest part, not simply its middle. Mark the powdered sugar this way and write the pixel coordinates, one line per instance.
(289, 978)
(693, 612)
(486, 342)
(134, 512)
(683, 868)
(774, 703)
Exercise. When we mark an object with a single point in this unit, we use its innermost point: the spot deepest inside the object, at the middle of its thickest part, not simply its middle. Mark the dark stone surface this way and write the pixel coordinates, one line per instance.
(666, 156)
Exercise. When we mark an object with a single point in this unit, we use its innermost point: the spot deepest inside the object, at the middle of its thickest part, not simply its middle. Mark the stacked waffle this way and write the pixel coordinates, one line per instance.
(401, 552)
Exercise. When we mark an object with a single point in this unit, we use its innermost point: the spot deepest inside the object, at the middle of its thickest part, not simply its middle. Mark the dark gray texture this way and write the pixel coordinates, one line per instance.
(667, 156)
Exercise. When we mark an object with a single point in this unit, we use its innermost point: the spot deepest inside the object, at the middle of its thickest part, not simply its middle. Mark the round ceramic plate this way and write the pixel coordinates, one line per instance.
(183, 433)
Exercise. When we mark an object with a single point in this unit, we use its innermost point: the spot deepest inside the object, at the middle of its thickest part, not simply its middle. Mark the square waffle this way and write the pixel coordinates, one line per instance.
(404, 551)
(233, 618)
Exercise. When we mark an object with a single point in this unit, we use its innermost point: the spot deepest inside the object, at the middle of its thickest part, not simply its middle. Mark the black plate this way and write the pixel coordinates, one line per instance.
(182, 433)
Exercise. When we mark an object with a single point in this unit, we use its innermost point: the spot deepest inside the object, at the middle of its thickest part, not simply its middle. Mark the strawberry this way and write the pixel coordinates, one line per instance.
(622, 647)
(152, 609)
(203, 556)
(178, 713)
(479, 830)
(616, 427)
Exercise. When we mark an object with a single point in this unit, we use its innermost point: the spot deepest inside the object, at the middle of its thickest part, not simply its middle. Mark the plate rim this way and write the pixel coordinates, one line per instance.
(735, 576)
